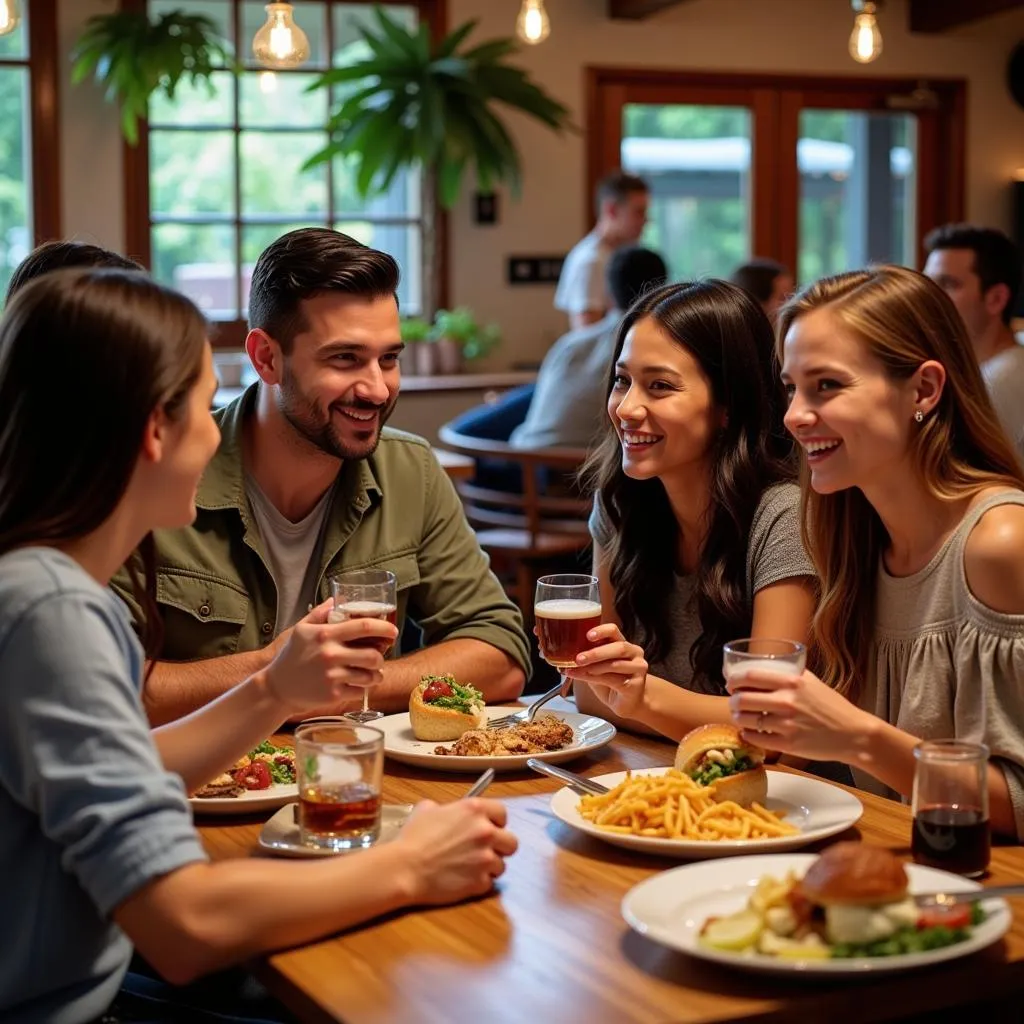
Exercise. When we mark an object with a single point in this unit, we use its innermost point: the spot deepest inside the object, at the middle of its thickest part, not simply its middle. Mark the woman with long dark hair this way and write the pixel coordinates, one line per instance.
(914, 502)
(696, 515)
(106, 380)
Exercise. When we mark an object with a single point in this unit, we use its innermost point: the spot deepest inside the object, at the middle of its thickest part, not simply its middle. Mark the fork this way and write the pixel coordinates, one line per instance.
(527, 714)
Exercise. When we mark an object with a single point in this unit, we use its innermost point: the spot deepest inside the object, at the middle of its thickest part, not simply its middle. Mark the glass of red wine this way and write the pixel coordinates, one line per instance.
(365, 594)
(340, 768)
(950, 803)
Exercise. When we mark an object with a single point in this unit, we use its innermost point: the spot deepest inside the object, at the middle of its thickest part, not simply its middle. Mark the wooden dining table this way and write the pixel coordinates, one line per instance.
(549, 945)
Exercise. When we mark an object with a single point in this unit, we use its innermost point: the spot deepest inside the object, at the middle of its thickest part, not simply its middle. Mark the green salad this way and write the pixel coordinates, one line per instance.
(445, 692)
(911, 940)
(712, 771)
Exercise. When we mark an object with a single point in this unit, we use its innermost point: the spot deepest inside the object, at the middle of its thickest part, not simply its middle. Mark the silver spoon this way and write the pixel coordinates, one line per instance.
(951, 899)
(480, 785)
(575, 782)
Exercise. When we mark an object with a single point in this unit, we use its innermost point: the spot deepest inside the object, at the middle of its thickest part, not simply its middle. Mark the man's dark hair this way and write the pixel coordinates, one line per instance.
(996, 259)
(619, 185)
(308, 262)
(64, 255)
(632, 272)
(758, 277)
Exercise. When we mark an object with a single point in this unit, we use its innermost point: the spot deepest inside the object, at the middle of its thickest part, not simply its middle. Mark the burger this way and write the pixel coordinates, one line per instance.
(441, 709)
(862, 890)
(715, 755)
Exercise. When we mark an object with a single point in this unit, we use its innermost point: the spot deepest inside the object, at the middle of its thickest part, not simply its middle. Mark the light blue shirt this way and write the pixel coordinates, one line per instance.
(88, 815)
(568, 404)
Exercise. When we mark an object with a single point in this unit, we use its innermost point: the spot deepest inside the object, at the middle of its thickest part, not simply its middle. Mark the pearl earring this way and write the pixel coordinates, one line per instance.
(919, 416)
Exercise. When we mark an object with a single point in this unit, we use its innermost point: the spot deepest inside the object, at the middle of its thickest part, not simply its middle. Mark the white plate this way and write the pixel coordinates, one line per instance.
(401, 745)
(817, 808)
(250, 802)
(671, 908)
(280, 835)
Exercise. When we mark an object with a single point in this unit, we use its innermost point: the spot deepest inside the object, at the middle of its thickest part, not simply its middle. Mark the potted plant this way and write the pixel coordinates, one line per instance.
(458, 336)
(418, 357)
(132, 57)
(408, 102)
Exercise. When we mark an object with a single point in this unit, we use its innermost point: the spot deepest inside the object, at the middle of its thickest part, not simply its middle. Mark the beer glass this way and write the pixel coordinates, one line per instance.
(365, 594)
(340, 768)
(566, 607)
(786, 657)
(950, 802)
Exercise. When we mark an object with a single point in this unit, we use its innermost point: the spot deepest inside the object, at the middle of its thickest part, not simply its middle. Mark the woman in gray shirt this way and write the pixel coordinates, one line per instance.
(696, 516)
(915, 515)
(106, 381)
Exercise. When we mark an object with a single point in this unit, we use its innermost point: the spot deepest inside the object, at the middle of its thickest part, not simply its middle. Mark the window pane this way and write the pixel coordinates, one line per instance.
(198, 260)
(348, 18)
(696, 160)
(15, 44)
(857, 189)
(192, 173)
(196, 104)
(255, 238)
(404, 242)
(218, 11)
(272, 99)
(272, 179)
(311, 18)
(15, 171)
(401, 200)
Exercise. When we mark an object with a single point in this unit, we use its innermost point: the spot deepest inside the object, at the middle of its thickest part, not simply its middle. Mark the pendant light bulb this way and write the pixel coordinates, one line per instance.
(533, 25)
(866, 39)
(8, 16)
(280, 43)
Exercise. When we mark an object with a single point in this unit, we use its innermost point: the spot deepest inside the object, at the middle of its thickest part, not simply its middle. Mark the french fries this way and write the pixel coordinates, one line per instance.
(673, 806)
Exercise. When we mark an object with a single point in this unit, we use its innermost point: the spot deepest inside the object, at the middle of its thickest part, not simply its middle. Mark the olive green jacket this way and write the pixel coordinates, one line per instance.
(396, 510)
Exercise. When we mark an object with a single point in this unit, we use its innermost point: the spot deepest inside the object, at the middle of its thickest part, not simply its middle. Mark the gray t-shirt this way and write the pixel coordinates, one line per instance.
(293, 551)
(1004, 375)
(775, 552)
(568, 404)
(582, 285)
(90, 816)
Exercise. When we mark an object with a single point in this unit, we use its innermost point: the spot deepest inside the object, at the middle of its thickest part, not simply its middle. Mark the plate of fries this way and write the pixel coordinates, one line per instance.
(664, 812)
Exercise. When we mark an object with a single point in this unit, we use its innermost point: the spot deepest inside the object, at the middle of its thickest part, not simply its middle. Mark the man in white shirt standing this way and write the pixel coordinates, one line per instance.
(622, 202)
(980, 270)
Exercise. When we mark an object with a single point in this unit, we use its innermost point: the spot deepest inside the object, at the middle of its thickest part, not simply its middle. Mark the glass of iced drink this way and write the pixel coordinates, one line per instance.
(786, 657)
(340, 767)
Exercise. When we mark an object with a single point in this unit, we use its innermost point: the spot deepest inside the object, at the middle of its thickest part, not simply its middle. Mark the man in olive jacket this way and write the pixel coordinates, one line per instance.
(308, 482)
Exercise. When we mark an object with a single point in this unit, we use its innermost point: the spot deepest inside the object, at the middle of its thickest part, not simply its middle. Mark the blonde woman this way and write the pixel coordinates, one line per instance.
(914, 516)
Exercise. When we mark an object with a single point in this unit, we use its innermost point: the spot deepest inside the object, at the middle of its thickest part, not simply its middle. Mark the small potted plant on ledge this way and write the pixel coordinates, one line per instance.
(418, 357)
(458, 336)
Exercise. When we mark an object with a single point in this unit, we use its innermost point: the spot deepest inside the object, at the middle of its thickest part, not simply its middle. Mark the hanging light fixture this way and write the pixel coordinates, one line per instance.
(533, 25)
(8, 16)
(280, 43)
(866, 39)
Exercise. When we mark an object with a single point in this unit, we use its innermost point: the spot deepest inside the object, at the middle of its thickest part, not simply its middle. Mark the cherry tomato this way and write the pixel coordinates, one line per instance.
(256, 776)
(948, 917)
(438, 688)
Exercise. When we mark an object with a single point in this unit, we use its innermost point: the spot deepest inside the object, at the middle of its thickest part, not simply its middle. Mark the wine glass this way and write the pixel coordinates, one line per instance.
(566, 607)
(365, 594)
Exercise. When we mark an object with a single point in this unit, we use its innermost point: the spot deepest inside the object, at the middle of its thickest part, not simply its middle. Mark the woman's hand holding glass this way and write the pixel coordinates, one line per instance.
(322, 664)
(615, 671)
(796, 714)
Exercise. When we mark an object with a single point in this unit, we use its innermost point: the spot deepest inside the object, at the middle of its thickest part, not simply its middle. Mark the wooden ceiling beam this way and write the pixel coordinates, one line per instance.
(635, 10)
(942, 15)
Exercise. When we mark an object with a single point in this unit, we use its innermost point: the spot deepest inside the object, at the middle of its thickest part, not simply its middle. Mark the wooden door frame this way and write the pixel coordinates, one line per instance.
(775, 101)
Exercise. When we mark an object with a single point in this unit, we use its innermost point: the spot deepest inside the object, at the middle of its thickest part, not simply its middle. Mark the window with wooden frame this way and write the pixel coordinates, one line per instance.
(29, 155)
(216, 178)
(821, 174)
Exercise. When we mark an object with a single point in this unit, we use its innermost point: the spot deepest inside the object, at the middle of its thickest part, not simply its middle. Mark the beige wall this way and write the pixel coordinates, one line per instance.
(735, 35)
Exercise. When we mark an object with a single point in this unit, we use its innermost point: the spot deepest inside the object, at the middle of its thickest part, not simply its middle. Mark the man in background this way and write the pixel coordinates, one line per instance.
(622, 202)
(768, 281)
(980, 270)
(567, 407)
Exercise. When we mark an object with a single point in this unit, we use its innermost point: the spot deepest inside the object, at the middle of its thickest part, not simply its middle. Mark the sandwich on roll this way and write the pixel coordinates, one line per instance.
(441, 709)
(715, 755)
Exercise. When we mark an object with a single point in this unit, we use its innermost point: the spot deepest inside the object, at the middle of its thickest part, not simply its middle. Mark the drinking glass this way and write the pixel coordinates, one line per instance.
(786, 657)
(340, 768)
(950, 803)
(365, 594)
(566, 607)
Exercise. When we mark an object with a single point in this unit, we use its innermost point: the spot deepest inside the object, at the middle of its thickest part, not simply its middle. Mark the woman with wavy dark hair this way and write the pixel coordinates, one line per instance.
(696, 515)
(106, 380)
(914, 504)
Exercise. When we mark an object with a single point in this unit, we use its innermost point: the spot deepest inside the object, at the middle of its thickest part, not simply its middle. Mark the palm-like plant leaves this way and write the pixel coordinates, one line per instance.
(431, 105)
(132, 57)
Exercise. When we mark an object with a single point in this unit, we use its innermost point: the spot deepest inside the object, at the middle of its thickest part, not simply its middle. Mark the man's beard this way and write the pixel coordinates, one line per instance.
(314, 425)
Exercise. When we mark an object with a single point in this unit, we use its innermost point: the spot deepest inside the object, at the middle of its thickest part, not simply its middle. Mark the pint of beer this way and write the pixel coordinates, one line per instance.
(566, 608)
